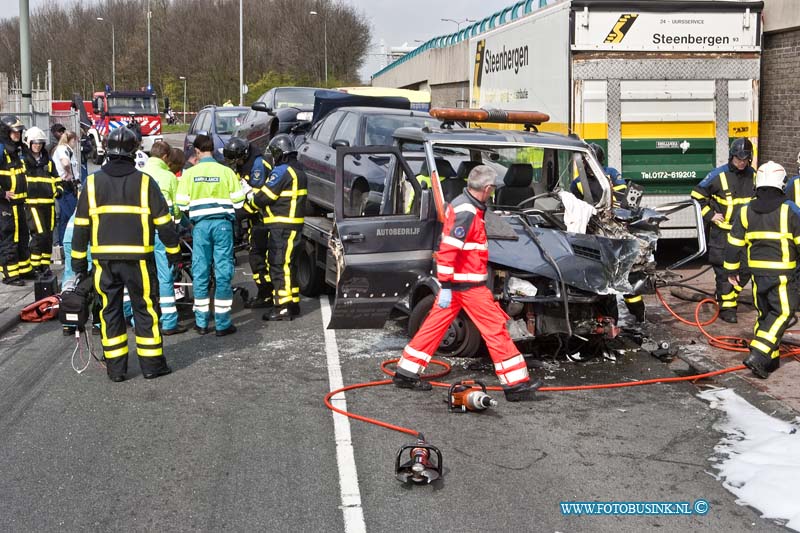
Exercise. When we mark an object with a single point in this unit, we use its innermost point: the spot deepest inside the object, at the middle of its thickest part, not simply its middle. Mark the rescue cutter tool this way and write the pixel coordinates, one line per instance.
(424, 464)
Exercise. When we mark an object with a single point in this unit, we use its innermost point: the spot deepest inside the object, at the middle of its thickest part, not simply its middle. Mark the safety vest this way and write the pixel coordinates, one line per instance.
(424, 182)
(463, 253)
(283, 196)
(167, 182)
(209, 190)
(117, 216)
(42, 178)
(771, 239)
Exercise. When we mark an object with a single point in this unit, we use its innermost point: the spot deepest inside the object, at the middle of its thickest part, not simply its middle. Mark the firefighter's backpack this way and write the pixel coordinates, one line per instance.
(41, 310)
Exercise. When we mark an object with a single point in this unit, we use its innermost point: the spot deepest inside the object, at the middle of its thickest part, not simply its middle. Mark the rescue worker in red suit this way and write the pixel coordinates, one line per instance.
(461, 268)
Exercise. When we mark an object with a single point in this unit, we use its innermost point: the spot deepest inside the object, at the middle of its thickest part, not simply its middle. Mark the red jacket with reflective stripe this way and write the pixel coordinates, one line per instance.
(464, 250)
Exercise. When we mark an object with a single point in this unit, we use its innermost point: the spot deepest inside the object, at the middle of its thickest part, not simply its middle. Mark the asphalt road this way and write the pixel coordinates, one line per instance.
(238, 439)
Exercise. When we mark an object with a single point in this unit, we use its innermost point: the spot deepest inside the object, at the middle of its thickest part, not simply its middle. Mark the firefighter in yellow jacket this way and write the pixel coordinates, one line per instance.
(117, 215)
(44, 186)
(769, 228)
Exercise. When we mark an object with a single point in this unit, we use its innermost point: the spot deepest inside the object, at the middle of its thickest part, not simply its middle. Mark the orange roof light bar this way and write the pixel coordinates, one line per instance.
(489, 115)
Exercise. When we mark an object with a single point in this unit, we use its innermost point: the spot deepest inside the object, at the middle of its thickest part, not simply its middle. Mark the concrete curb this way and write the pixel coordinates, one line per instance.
(767, 403)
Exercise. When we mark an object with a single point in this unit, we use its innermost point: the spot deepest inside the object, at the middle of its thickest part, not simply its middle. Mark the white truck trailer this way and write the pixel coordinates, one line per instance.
(664, 86)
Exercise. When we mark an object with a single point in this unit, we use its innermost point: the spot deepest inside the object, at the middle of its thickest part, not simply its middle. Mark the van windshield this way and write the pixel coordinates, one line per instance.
(138, 105)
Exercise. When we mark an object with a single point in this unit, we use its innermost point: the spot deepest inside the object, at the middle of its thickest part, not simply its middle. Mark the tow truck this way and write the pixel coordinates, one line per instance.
(557, 286)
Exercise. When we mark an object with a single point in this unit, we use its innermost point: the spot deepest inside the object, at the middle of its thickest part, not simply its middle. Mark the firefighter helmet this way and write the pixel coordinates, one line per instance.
(35, 135)
(281, 147)
(741, 148)
(122, 142)
(599, 153)
(10, 123)
(236, 150)
(771, 174)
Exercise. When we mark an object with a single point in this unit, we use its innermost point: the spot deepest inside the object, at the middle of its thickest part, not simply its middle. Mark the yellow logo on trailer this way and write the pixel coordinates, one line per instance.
(620, 29)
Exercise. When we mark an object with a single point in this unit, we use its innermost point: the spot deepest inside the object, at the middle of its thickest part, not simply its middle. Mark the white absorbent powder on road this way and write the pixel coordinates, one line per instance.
(759, 458)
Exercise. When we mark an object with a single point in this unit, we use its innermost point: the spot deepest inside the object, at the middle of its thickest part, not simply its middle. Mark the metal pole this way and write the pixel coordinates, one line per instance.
(184, 99)
(241, 54)
(50, 81)
(148, 44)
(113, 59)
(325, 37)
(25, 54)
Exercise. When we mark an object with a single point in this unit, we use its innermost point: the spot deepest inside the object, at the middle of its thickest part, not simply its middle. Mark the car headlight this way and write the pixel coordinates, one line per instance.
(304, 116)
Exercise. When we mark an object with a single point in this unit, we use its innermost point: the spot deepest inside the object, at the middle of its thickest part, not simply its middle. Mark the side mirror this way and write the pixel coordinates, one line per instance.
(261, 106)
(96, 108)
(340, 143)
(203, 132)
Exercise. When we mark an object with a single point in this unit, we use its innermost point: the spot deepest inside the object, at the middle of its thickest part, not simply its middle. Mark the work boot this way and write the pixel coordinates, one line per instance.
(15, 281)
(230, 330)
(116, 379)
(282, 312)
(157, 374)
(405, 382)
(728, 315)
(294, 309)
(262, 300)
(202, 331)
(175, 331)
(760, 365)
(523, 392)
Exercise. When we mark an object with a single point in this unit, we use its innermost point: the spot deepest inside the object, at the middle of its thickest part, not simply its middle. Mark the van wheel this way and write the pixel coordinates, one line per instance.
(97, 159)
(310, 278)
(359, 195)
(462, 338)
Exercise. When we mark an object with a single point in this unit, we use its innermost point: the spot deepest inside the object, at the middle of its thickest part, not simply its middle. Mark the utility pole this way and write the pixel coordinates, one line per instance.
(25, 54)
(149, 87)
(241, 54)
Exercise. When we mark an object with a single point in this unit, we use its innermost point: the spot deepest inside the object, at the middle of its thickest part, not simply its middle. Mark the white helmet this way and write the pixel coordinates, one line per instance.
(34, 135)
(771, 174)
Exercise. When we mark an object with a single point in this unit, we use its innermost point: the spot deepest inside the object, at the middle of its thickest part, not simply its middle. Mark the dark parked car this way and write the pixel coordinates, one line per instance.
(276, 111)
(219, 123)
(353, 126)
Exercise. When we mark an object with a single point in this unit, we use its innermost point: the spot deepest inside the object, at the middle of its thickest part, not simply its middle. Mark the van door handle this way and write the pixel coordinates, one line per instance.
(353, 237)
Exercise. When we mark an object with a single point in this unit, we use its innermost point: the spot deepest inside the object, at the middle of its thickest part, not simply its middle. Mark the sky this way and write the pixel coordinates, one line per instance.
(395, 22)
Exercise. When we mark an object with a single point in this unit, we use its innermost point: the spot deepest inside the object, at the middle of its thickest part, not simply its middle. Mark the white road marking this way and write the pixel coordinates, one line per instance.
(352, 512)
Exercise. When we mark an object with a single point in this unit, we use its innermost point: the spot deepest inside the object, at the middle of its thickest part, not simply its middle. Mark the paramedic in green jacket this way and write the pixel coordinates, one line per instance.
(210, 193)
(157, 168)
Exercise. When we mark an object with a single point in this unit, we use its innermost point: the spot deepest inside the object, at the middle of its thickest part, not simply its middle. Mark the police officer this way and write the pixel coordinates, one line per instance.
(721, 195)
(211, 193)
(769, 228)
(156, 167)
(117, 214)
(250, 166)
(14, 251)
(619, 191)
(44, 186)
(283, 199)
(462, 271)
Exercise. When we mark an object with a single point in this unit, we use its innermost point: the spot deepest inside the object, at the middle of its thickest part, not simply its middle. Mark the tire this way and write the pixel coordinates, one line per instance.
(359, 196)
(310, 278)
(97, 159)
(462, 338)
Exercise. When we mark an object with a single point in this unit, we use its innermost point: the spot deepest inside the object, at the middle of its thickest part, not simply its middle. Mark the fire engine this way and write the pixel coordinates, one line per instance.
(114, 109)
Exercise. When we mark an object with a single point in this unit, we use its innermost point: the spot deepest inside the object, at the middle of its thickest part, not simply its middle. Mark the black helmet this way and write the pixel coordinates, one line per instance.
(136, 129)
(236, 150)
(8, 124)
(741, 148)
(122, 142)
(281, 147)
(599, 153)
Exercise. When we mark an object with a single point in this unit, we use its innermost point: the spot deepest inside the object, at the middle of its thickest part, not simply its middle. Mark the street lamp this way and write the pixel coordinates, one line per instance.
(458, 22)
(113, 54)
(241, 55)
(149, 14)
(184, 98)
(325, 37)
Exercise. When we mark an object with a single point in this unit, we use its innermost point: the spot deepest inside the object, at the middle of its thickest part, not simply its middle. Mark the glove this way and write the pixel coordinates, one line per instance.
(445, 297)
(174, 259)
(59, 194)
